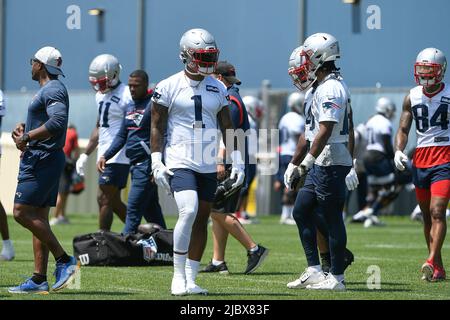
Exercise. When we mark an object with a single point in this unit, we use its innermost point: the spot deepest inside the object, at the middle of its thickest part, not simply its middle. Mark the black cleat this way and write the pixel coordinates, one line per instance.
(255, 259)
(348, 258)
(221, 268)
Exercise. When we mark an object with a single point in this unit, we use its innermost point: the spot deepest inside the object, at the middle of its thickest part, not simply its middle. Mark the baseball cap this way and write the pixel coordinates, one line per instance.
(228, 71)
(51, 58)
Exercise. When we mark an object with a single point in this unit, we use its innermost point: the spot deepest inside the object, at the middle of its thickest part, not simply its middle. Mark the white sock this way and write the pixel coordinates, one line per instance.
(216, 262)
(254, 249)
(317, 268)
(192, 267)
(339, 277)
(7, 244)
(290, 209)
(179, 266)
(284, 212)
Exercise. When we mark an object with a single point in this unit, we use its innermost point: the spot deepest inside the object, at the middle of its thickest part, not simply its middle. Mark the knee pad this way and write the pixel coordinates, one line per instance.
(187, 203)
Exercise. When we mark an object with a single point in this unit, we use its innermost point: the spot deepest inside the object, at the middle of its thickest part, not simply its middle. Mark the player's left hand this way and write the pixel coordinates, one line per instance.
(20, 143)
(237, 168)
(351, 180)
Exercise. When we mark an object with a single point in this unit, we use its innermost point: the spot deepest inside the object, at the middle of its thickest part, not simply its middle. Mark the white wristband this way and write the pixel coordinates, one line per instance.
(156, 157)
(236, 157)
(309, 160)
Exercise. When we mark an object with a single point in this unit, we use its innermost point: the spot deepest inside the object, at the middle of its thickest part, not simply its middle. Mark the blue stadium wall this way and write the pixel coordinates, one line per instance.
(256, 35)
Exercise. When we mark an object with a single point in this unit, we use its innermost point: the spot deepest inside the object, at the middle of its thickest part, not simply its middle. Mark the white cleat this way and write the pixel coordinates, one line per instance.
(330, 283)
(7, 253)
(363, 215)
(288, 221)
(195, 289)
(178, 287)
(373, 221)
(308, 277)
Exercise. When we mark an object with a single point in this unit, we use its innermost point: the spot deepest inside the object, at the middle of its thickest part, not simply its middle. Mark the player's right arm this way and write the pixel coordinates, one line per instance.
(158, 129)
(92, 144)
(401, 138)
(93, 140)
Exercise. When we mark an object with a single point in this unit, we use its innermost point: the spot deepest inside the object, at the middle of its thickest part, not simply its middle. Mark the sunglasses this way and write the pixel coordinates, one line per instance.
(33, 60)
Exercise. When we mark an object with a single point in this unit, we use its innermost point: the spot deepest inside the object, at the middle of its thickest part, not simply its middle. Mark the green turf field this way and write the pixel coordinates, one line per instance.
(398, 249)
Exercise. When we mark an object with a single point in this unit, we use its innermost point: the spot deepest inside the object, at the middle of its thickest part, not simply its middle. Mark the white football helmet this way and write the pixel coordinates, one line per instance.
(254, 106)
(295, 102)
(198, 51)
(430, 66)
(306, 59)
(386, 107)
(104, 72)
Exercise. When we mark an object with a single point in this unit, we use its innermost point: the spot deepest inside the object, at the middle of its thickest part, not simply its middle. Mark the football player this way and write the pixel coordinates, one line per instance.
(134, 134)
(378, 162)
(223, 220)
(291, 125)
(328, 163)
(112, 99)
(428, 105)
(7, 253)
(188, 106)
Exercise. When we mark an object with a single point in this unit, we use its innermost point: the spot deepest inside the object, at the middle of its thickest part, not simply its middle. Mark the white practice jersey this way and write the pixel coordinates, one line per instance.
(331, 102)
(376, 127)
(252, 139)
(309, 136)
(2, 114)
(112, 107)
(192, 127)
(291, 126)
(431, 116)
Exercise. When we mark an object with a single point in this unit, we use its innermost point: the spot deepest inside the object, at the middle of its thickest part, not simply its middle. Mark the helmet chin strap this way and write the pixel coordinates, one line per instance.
(190, 72)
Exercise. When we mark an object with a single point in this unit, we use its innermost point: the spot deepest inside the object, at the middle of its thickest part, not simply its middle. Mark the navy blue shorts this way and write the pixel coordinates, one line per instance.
(204, 183)
(115, 174)
(379, 168)
(327, 182)
(38, 178)
(284, 163)
(424, 177)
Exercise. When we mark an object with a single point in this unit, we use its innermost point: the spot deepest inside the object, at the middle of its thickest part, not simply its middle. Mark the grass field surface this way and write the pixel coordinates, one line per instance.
(397, 249)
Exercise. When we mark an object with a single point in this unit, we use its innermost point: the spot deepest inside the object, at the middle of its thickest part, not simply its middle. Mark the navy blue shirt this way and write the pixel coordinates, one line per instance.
(239, 117)
(134, 132)
(49, 107)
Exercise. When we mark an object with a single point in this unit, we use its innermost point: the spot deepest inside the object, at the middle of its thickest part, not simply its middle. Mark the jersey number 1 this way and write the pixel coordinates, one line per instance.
(198, 112)
(104, 119)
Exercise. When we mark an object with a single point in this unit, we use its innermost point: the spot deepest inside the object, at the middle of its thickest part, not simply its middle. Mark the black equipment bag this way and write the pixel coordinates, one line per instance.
(105, 248)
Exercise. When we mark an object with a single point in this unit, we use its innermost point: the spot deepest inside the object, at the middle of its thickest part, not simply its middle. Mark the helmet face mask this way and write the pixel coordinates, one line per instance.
(309, 57)
(427, 74)
(301, 69)
(198, 51)
(430, 67)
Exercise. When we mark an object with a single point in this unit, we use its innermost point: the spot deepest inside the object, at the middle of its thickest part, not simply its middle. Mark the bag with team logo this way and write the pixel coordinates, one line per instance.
(106, 248)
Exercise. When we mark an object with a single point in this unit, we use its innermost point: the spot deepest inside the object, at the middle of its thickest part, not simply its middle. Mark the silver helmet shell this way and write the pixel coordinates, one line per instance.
(104, 72)
(295, 102)
(430, 67)
(386, 107)
(199, 52)
(254, 107)
(306, 59)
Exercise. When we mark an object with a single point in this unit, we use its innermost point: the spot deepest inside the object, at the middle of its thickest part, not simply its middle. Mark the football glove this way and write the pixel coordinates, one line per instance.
(160, 172)
(400, 159)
